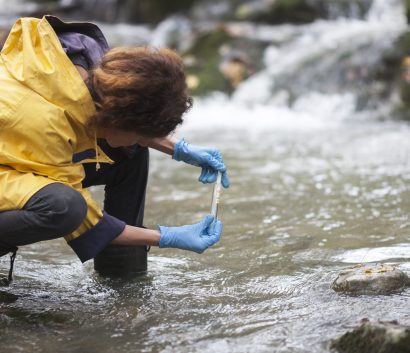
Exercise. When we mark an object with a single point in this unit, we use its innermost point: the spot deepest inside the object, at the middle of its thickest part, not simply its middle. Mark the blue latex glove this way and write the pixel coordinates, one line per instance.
(196, 237)
(209, 159)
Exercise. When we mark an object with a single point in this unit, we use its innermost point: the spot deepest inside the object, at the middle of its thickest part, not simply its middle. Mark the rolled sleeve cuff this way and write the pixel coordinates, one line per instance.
(90, 243)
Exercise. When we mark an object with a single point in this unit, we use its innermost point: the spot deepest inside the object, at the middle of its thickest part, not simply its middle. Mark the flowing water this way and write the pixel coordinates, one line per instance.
(316, 187)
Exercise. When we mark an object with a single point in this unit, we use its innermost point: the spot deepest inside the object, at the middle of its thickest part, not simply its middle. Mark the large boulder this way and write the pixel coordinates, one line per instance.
(371, 279)
(374, 337)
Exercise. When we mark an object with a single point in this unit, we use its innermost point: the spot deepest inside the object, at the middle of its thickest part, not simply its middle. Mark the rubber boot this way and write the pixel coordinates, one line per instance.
(116, 260)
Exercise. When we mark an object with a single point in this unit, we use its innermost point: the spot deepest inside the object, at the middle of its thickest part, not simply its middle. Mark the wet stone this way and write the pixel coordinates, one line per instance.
(7, 298)
(371, 279)
(371, 337)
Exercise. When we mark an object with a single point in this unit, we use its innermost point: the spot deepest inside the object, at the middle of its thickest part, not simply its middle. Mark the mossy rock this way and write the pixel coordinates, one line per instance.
(204, 58)
(7, 298)
(380, 337)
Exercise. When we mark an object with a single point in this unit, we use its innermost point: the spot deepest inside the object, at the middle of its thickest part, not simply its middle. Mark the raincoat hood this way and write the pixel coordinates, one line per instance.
(34, 56)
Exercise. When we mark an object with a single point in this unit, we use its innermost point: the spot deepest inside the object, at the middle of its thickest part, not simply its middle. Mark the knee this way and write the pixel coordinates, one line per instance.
(66, 209)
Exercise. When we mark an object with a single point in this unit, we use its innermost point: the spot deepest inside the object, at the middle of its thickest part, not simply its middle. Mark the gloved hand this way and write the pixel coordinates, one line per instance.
(209, 159)
(196, 237)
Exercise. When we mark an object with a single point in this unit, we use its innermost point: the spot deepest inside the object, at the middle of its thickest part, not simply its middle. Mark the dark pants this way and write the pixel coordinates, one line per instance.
(57, 210)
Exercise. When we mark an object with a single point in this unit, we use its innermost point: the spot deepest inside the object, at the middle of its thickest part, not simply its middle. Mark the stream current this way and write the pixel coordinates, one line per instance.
(316, 187)
(304, 204)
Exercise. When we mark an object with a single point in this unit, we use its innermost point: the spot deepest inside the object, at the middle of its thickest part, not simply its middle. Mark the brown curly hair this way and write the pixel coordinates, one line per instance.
(140, 89)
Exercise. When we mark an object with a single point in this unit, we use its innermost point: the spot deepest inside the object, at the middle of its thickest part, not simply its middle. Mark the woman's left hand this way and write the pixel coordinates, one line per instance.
(194, 237)
(209, 159)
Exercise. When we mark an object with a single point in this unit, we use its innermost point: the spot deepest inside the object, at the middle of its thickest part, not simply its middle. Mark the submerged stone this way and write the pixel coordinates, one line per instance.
(7, 298)
(371, 337)
(371, 279)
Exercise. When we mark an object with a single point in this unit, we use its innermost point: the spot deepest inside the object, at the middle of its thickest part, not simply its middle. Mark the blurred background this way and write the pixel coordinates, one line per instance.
(284, 47)
(308, 100)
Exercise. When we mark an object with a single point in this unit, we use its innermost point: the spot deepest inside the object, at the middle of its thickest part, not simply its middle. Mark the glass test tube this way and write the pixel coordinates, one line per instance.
(215, 196)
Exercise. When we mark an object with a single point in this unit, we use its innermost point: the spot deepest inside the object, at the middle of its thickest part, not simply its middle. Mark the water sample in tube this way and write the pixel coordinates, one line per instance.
(216, 194)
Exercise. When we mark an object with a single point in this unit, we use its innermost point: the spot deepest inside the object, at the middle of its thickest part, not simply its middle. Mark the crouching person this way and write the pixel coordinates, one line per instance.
(74, 114)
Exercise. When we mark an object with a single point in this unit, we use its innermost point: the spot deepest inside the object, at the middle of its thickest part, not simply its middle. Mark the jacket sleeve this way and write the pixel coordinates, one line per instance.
(96, 232)
(42, 125)
(37, 142)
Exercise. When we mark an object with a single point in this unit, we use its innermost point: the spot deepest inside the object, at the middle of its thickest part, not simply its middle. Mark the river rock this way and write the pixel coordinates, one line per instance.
(371, 279)
(374, 337)
(7, 298)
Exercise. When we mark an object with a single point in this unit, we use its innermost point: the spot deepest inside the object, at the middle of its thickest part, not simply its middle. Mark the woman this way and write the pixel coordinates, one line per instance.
(74, 114)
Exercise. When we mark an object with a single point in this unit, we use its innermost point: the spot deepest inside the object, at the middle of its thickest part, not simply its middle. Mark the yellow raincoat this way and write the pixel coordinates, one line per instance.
(44, 107)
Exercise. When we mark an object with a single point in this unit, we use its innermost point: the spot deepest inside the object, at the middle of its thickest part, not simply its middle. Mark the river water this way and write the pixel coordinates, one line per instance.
(316, 187)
